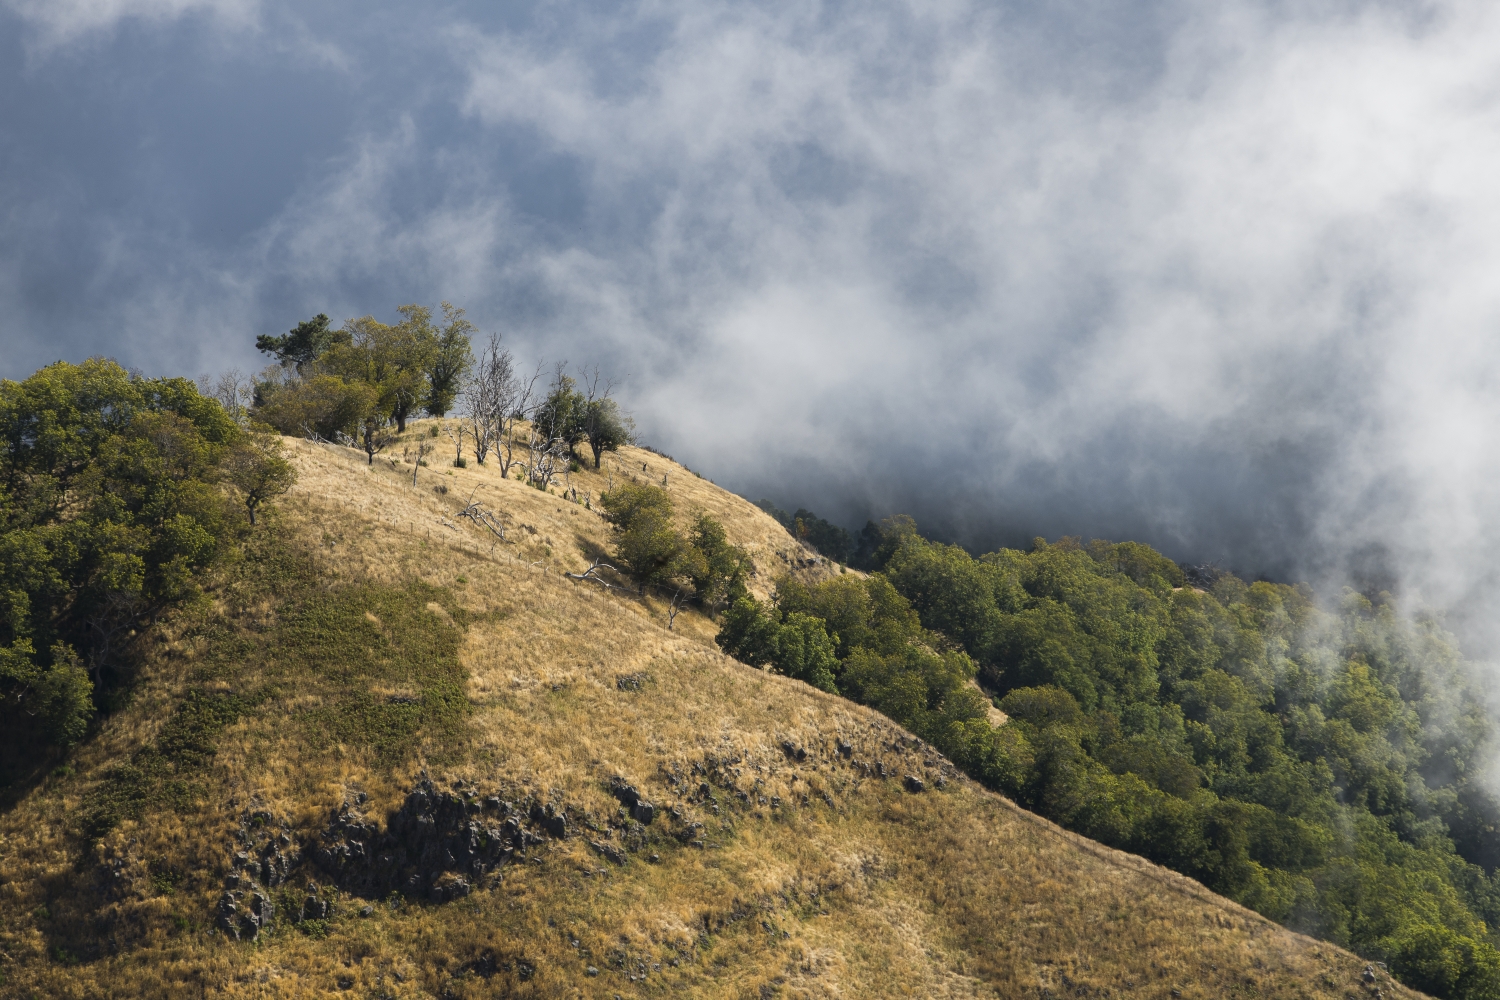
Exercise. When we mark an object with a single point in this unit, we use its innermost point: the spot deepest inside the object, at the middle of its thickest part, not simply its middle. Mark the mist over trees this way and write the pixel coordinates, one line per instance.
(1323, 766)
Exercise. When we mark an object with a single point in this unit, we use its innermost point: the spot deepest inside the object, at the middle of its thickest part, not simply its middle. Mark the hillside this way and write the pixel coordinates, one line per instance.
(398, 757)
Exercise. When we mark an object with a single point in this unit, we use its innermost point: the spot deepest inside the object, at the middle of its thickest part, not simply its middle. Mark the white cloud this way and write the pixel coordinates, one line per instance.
(1227, 285)
(59, 22)
(1278, 245)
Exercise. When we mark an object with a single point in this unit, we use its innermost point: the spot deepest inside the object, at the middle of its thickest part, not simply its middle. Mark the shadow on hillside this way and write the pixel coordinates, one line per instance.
(26, 760)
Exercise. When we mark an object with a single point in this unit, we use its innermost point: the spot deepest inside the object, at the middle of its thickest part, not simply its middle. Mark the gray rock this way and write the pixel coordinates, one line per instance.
(626, 793)
(608, 851)
(914, 783)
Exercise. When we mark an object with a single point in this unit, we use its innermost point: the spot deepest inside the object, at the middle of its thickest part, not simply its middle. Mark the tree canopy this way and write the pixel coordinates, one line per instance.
(1320, 764)
(114, 497)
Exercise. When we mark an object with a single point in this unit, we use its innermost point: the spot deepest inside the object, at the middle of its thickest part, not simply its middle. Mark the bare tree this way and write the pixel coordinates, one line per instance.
(482, 391)
(476, 512)
(544, 456)
(456, 434)
(234, 390)
(592, 573)
(423, 449)
(517, 403)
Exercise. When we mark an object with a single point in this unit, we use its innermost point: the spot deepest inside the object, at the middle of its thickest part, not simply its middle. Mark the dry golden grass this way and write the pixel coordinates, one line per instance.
(815, 879)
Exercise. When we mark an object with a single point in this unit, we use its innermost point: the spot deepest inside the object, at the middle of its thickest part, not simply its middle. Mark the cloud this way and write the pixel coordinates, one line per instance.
(1240, 303)
(1216, 276)
(60, 22)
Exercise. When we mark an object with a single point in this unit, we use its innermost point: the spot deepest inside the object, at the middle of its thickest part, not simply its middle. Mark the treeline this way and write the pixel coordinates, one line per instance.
(1322, 766)
(117, 492)
(359, 384)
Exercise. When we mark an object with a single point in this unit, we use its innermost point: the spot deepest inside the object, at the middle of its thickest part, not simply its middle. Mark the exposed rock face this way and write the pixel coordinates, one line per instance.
(438, 845)
(641, 811)
(267, 855)
(441, 845)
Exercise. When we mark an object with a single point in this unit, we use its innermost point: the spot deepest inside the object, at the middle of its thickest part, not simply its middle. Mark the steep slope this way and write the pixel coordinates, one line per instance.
(398, 757)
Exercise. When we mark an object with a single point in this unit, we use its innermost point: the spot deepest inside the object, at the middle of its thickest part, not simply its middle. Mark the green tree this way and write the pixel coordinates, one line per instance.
(606, 427)
(324, 407)
(563, 414)
(258, 469)
(646, 543)
(302, 346)
(795, 644)
(719, 570)
(109, 509)
(451, 361)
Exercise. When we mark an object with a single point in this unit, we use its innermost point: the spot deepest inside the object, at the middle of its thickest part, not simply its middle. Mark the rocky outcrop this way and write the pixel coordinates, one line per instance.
(266, 857)
(437, 846)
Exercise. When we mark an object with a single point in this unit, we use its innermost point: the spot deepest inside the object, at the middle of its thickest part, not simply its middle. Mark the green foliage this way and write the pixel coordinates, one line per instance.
(322, 406)
(794, 644)
(451, 361)
(1316, 765)
(716, 568)
(646, 543)
(299, 348)
(606, 427)
(260, 472)
(109, 511)
(564, 413)
(829, 539)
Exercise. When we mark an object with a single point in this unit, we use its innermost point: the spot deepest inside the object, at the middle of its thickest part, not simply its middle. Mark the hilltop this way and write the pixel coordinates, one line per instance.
(397, 756)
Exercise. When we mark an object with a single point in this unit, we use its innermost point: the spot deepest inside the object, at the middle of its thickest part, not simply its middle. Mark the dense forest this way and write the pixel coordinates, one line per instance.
(1320, 763)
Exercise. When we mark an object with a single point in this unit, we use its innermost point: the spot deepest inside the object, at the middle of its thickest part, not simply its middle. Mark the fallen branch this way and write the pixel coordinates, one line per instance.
(475, 512)
(592, 573)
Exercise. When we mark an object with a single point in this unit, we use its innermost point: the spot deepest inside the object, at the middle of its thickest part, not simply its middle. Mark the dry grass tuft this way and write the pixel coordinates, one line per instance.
(811, 875)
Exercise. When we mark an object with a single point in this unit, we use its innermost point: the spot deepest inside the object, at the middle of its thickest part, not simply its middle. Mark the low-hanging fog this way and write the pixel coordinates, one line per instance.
(1221, 276)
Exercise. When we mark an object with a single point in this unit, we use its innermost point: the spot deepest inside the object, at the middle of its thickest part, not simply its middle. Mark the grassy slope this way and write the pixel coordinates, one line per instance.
(333, 644)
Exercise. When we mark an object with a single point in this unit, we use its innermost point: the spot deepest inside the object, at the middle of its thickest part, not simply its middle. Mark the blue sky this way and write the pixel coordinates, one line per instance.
(1217, 275)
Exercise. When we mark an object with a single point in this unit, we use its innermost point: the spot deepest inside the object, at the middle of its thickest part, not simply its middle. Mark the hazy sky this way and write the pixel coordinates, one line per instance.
(1222, 276)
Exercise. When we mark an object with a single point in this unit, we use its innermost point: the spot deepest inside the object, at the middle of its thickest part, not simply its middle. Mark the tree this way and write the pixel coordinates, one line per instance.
(234, 391)
(393, 360)
(719, 570)
(606, 427)
(562, 415)
(515, 402)
(302, 346)
(320, 407)
(374, 436)
(258, 468)
(482, 392)
(111, 507)
(646, 543)
(796, 644)
(450, 363)
(599, 416)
